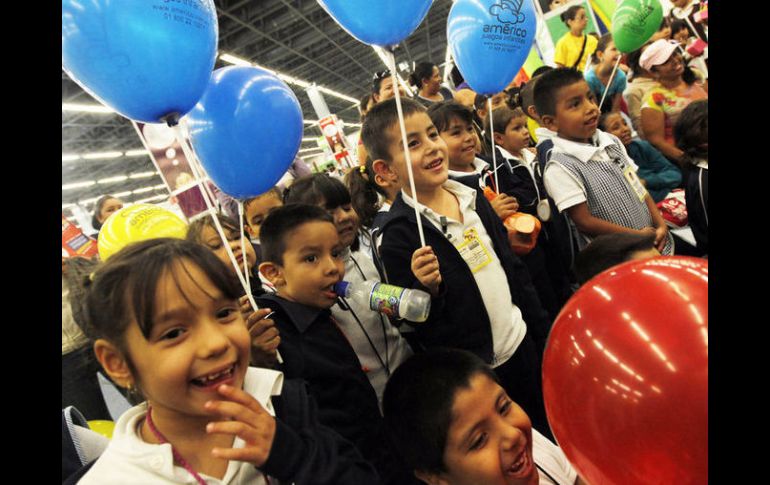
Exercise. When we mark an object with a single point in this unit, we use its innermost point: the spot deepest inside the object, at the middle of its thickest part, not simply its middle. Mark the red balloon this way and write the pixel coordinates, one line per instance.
(625, 374)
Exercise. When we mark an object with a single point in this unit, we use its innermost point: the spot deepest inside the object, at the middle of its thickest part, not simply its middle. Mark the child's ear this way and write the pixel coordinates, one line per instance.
(532, 112)
(431, 478)
(249, 231)
(114, 363)
(498, 138)
(549, 122)
(381, 168)
(273, 272)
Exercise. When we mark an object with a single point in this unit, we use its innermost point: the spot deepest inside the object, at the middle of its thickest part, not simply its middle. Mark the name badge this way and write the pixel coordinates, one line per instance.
(472, 250)
(635, 183)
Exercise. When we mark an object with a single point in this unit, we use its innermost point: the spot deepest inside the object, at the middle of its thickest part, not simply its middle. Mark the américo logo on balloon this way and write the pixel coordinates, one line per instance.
(508, 12)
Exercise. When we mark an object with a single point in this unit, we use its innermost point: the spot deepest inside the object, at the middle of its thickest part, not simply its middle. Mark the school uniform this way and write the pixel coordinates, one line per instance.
(602, 175)
(314, 349)
(303, 451)
(486, 304)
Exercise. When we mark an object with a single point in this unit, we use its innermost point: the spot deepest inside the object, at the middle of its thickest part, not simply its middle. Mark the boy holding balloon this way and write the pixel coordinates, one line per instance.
(483, 298)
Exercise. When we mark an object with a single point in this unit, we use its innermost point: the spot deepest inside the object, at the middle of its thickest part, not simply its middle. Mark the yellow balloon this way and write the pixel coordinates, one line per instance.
(135, 223)
(104, 428)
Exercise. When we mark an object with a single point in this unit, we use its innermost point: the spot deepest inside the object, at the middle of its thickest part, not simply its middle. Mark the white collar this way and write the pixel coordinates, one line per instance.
(527, 156)
(479, 166)
(583, 151)
(465, 195)
(542, 133)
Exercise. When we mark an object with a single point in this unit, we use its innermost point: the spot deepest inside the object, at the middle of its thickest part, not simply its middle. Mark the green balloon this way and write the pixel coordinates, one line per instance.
(634, 22)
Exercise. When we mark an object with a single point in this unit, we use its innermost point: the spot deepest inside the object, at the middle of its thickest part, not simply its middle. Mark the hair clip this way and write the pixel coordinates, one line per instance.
(362, 169)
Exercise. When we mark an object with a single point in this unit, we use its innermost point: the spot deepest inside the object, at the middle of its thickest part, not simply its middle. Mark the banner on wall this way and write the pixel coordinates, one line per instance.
(74, 242)
(174, 168)
(336, 141)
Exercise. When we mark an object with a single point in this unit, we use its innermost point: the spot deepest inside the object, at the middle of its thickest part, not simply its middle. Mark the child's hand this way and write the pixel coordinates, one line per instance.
(425, 268)
(245, 305)
(265, 338)
(504, 205)
(244, 417)
(661, 235)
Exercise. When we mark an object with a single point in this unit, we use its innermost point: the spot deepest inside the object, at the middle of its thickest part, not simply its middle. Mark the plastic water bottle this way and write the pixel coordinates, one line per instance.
(393, 301)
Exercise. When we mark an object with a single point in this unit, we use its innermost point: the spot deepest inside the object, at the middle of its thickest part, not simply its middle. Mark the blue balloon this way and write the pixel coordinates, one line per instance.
(143, 58)
(378, 22)
(490, 40)
(246, 130)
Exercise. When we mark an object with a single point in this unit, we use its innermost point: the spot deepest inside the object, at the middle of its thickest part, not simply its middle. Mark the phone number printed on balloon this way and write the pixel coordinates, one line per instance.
(181, 15)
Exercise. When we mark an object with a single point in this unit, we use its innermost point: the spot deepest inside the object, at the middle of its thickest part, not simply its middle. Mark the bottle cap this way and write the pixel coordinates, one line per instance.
(341, 288)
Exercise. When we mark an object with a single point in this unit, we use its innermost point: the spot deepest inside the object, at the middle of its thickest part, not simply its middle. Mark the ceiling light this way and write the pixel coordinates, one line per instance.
(68, 157)
(142, 175)
(86, 108)
(142, 190)
(77, 185)
(136, 153)
(150, 199)
(112, 180)
(309, 149)
(122, 194)
(159, 187)
(101, 155)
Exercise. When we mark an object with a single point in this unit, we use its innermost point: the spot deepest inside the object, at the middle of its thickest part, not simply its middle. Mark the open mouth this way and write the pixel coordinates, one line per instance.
(522, 467)
(434, 164)
(215, 378)
(328, 291)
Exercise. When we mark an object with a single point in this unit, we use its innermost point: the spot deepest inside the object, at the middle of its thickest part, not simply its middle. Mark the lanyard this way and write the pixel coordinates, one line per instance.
(547, 474)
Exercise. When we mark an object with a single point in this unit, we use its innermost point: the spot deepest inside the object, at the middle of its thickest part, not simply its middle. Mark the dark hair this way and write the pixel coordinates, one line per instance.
(78, 278)
(500, 117)
(527, 93)
(418, 400)
(123, 289)
(691, 130)
(548, 86)
(570, 13)
(195, 229)
(456, 76)
(603, 118)
(609, 250)
(363, 103)
(421, 71)
(442, 114)
(275, 192)
(677, 25)
(283, 220)
(601, 45)
(364, 192)
(381, 118)
(633, 60)
(377, 80)
(98, 210)
(541, 70)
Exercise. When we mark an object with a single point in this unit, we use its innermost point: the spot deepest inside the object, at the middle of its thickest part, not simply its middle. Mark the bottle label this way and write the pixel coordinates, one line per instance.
(385, 299)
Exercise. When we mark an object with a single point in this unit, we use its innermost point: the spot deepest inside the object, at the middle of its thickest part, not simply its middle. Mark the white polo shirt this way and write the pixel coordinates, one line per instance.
(479, 166)
(565, 190)
(508, 326)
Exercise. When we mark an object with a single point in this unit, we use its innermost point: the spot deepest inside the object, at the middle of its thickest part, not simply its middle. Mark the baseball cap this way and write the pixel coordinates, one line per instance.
(657, 53)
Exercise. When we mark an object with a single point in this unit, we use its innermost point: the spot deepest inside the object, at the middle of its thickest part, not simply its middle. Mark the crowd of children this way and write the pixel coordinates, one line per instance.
(312, 388)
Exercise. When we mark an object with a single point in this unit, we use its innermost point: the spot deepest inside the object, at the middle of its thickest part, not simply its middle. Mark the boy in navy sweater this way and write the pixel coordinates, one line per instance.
(303, 259)
(483, 298)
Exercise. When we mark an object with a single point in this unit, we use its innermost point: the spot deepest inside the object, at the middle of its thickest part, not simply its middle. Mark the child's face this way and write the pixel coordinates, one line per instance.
(257, 210)
(199, 341)
(490, 438)
(386, 90)
(345, 220)
(578, 24)
(108, 208)
(616, 125)
(460, 143)
(682, 37)
(427, 149)
(433, 84)
(312, 264)
(516, 135)
(210, 238)
(610, 54)
(576, 113)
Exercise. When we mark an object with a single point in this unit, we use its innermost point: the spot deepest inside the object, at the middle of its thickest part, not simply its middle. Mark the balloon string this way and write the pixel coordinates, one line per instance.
(243, 248)
(392, 66)
(201, 181)
(609, 83)
(492, 136)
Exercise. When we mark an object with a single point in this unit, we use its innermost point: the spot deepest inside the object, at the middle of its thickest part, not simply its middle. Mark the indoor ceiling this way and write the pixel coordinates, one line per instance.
(294, 37)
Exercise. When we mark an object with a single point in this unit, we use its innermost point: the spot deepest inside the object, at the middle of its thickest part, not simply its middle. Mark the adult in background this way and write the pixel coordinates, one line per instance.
(104, 208)
(427, 79)
(675, 90)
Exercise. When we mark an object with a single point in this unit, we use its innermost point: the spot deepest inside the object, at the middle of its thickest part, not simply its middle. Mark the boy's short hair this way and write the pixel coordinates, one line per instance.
(316, 188)
(691, 130)
(382, 117)
(548, 85)
(418, 400)
(500, 117)
(609, 250)
(195, 229)
(283, 220)
(442, 114)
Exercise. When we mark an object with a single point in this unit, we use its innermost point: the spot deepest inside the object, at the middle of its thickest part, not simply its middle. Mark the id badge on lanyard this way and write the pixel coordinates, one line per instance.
(635, 183)
(473, 251)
